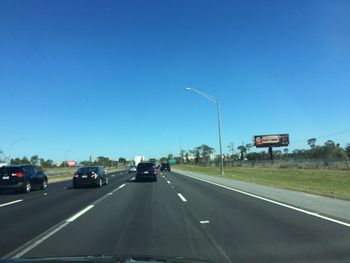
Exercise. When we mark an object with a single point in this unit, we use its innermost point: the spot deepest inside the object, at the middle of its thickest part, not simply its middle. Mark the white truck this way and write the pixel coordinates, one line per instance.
(138, 159)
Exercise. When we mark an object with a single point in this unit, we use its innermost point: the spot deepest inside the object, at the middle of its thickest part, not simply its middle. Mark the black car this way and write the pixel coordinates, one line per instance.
(22, 177)
(165, 166)
(146, 171)
(90, 175)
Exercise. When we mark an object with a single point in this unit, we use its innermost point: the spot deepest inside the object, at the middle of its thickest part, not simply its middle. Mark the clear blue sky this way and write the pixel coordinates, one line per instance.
(108, 77)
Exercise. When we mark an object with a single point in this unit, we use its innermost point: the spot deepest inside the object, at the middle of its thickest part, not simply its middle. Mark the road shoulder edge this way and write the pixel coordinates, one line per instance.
(334, 210)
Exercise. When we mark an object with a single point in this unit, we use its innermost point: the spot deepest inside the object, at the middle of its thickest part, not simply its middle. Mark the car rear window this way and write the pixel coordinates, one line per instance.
(165, 165)
(87, 170)
(10, 170)
(144, 166)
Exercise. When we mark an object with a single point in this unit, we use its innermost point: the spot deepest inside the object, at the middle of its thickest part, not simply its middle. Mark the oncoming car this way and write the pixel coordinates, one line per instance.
(90, 175)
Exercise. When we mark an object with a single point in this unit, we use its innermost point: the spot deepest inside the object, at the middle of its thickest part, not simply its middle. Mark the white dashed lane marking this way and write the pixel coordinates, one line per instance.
(182, 197)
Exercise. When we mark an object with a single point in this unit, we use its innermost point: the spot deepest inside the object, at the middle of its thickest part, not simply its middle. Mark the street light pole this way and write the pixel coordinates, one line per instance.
(215, 100)
(11, 145)
(180, 145)
(220, 143)
(65, 157)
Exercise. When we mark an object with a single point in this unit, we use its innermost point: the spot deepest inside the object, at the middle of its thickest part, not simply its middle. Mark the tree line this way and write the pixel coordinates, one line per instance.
(105, 161)
(329, 151)
(48, 163)
(35, 160)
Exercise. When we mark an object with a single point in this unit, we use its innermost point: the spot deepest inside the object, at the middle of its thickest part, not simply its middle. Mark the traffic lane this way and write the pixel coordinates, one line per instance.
(11, 195)
(23, 221)
(142, 218)
(248, 228)
(8, 196)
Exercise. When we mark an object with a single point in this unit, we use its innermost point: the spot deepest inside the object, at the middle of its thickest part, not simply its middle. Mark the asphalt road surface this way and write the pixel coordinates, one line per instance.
(177, 216)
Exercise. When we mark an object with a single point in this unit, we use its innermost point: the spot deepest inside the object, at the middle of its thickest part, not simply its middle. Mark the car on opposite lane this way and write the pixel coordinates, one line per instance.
(146, 171)
(22, 177)
(90, 175)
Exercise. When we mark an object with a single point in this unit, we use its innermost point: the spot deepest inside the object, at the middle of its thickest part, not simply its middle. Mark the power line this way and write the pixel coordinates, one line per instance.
(323, 136)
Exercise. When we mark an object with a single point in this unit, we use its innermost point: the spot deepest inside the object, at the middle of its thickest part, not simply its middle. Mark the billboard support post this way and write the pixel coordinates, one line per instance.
(271, 154)
(270, 141)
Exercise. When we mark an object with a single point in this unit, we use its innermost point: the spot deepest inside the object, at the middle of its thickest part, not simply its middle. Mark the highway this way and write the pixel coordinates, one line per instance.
(176, 216)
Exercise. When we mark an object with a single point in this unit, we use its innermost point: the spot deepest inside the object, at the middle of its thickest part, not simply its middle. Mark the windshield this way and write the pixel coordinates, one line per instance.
(145, 166)
(213, 130)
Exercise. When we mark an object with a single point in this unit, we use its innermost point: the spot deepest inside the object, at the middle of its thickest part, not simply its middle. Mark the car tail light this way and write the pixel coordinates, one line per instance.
(19, 174)
(154, 170)
(76, 175)
(94, 175)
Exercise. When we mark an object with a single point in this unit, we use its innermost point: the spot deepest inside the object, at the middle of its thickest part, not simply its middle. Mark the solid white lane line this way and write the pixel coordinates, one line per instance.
(118, 188)
(182, 197)
(107, 195)
(168, 182)
(274, 202)
(79, 213)
(10, 203)
(204, 222)
(37, 242)
(22, 250)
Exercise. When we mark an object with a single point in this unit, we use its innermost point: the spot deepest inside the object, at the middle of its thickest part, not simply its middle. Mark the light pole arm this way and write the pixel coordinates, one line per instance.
(11, 145)
(205, 95)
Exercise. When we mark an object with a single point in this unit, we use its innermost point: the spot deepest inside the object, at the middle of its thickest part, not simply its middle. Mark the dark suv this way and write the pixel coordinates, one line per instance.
(165, 166)
(90, 175)
(22, 177)
(146, 171)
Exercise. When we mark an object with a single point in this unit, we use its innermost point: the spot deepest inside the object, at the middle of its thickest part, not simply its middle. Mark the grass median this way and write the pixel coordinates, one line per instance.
(60, 177)
(331, 183)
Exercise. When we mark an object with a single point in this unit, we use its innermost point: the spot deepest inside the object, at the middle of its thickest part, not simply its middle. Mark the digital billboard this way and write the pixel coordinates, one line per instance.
(275, 140)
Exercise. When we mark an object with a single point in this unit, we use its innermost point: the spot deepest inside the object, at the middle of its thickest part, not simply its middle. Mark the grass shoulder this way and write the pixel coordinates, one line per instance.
(331, 183)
